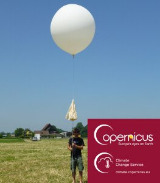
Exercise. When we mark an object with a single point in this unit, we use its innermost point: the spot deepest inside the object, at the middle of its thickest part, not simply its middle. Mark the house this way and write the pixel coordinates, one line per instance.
(47, 131)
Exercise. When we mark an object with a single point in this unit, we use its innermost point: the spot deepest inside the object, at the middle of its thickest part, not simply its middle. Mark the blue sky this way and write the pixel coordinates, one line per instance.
(117, 76)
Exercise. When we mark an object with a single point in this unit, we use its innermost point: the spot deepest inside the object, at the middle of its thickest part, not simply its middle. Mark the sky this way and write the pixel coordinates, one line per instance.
(117, 76)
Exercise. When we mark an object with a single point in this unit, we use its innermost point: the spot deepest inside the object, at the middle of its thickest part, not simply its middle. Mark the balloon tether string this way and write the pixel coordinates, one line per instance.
(73, 76)
(73, 98)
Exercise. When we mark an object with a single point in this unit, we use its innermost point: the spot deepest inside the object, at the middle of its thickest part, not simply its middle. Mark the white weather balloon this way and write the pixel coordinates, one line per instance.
(72, 28)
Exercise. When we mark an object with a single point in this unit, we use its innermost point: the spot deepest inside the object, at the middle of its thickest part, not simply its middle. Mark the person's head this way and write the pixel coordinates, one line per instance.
(76, 132)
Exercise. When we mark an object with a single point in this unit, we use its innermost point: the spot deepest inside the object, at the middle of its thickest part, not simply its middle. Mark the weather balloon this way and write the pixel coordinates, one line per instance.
(72, 28)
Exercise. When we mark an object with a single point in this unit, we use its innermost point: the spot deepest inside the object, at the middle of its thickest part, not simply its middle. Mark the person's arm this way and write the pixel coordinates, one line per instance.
(69, 147)
(78, 147)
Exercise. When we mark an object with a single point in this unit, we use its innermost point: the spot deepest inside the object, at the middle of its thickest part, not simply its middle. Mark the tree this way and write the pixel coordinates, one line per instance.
(8, 134)
(83, 130)
(19, 132)
(28, 133)
(52, 129)
(59, 130)
(80, 126)
(1, 134)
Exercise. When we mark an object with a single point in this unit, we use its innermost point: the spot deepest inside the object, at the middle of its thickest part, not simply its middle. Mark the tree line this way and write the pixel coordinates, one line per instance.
(27, 133)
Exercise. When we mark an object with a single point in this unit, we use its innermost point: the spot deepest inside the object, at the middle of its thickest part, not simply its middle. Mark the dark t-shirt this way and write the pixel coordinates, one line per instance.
(78, 141)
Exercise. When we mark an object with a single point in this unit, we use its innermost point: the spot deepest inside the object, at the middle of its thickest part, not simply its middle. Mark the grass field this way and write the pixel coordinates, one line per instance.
(42, 161)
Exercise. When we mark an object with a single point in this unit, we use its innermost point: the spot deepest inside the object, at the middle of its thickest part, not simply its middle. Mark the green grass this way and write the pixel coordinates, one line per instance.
(10, 140)
(45, 161)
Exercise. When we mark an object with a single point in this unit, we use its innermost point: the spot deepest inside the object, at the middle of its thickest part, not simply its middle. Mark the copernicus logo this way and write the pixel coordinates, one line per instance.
(103, 162)
(104, 135)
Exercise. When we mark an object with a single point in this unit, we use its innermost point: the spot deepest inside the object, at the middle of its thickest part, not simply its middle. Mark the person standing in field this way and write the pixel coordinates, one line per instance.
(75, 145)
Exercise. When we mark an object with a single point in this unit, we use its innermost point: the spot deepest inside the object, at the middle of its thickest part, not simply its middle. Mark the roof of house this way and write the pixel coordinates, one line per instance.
(46, 126)
(45, 130)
